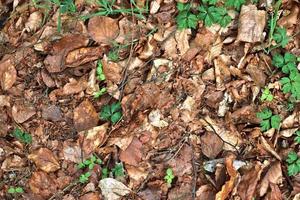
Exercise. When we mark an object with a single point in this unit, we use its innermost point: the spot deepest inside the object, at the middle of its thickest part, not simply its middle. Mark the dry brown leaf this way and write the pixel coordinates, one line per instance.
(45, 160)
(251, 24)
(83, 55)
(34, 21)
(103, 29)
(13, 162)
(182, 38)
(273, 176)
(93, 138)
(257, 75)
(154, 6)
(155, 119)
(72, 152)
(275, 193)
(211, 144)
(133, 153)
(247, 186)
(148, 49)
(52, 113)
(90, 196)
(137, 175)
(85, 116)
(4, 101)
(42, 184)
(128, 31)
(291, 19)
(229, 185)
(112, 189)
(182, 192)
(112, 71)
(22, 113)
(269, 148)
(205, 192)
(8, 74)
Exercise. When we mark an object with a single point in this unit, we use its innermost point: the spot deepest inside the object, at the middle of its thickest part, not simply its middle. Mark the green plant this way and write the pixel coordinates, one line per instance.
(118, 170)
(107, 8)
(293, 163)
(99, 70)
(185, 18)
(22, 136)
(113, 55)
(280, 37)
(297, 138)
(272, 23)
(286, 63)
(214, 15)
(90, 163)
(84, 177)
(111, 112)
(15, 190)
(100, 93)
(234, 3)
(104, 172)
(291, 85)
(169, 176)
(268, 120)
(266, 95)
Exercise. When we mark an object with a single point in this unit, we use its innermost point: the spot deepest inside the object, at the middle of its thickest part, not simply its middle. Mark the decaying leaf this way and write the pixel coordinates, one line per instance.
(45, 160)
(112, 189)
(22, 113)
(103, 29)
(211, 145)
(251, 24)
(273, 176)
(42, 184)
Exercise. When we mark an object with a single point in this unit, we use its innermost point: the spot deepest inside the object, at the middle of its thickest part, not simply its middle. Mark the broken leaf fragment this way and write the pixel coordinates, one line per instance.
(112, 189)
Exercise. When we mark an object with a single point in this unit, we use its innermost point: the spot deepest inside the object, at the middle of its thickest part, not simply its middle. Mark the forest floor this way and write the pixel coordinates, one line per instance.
(149, 99)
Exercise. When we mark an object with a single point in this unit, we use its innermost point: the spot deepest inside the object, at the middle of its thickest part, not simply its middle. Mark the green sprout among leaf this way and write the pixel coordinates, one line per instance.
(104, 172)
(169, 176)
(185, 18)
(90, 163)
(293, 163)
(297, 138)
(234, 3)
(280, 37)
(118, 170)
(266, 95)
(268, 120)
(286, 63)
(84, 177)
(100, 74)
(100, 93)
(291, 85)
(112, 113)
(22, 136)
(214, 15)
(15, 190)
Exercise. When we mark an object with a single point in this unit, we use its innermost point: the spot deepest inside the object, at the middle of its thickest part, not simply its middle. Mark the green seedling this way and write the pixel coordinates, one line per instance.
(22, 136)
(100, 73)
(118, 170)
(100, 93)
(112, 113)
(291, 85)
(113, 55)
(237, 4)
(185, 18)
(107, 8)
(15, 190)
(293, 163)
(169, 176)
(280, 37)
(104, 172)
(266, 95)
(214, 15)
(286, 62)
(297, 138)
(84, 177)
(90, 163)
(268, 120)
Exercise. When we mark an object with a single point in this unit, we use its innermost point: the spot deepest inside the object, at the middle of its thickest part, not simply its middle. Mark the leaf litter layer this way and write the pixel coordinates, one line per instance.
(157, 99)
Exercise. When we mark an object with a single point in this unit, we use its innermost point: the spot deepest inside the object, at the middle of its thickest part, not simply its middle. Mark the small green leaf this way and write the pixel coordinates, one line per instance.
(292, 157)
(266, 113)
(11, 190)
(275, 121)
(104, 172)
(105, 112)
(115, 107)
(19, 190)
(116, 117)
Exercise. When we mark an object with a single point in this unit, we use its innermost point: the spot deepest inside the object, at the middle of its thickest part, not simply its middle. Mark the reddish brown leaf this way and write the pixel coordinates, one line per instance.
(85, 116)
(42, 184)
(44, 160)
(211, 145)
(133, 154)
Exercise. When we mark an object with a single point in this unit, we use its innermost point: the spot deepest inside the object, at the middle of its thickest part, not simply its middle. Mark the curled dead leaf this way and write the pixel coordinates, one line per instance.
(113, 189)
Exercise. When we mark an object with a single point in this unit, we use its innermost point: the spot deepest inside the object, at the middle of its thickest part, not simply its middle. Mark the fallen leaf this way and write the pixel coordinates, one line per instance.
(85, 116)
(90, 196)
(291, 19)
(257, 75)
(13, 162)
(205, 192)
(155, 119)
(103, 29)
(247, 186)
(211, 144)
(44, 160)
(133, 153)
(269, 148)
(229, 185)
(8, 74)
(112, 189)
(34, 22)
(182, 192)
(42, 184)
(83, 55)
(137, 175)
(72, 152)
(251, 24)
(112, 71)
(182, 38)
(52, 113)
(22, 113)
(93, 138)
(273, 176)
(275, 193)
